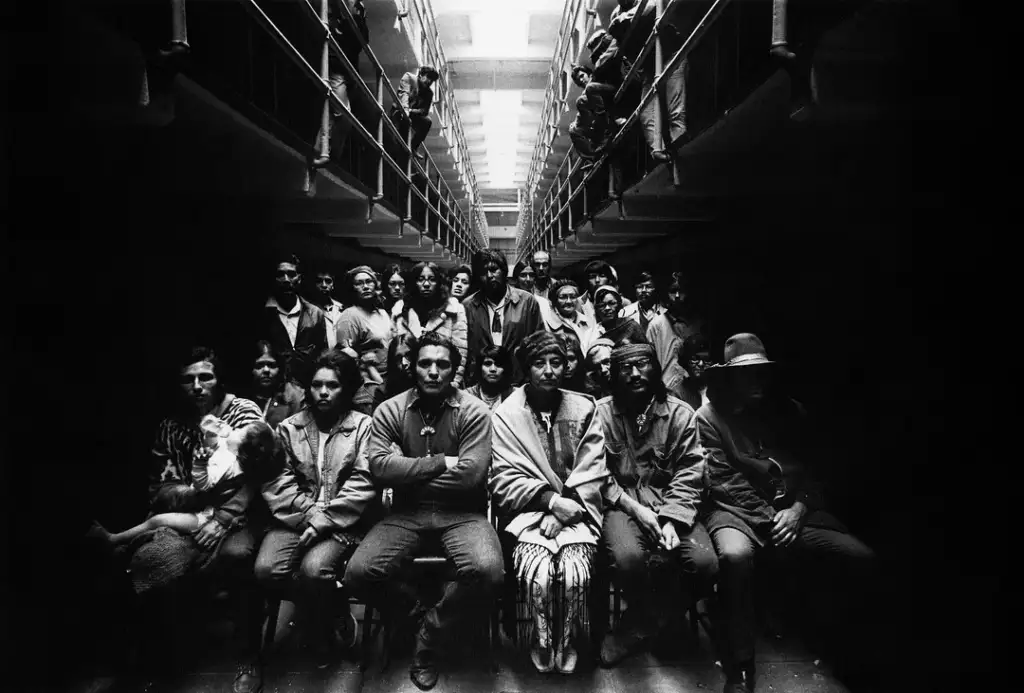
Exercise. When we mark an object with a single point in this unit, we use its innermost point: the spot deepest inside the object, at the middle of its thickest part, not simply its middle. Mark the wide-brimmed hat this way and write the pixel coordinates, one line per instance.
(743, 349)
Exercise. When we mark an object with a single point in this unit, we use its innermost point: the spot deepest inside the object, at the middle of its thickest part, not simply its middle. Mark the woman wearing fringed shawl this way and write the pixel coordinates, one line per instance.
(547, 473)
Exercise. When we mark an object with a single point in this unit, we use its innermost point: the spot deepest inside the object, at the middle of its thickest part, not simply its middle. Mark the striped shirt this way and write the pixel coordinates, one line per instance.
(178, 443)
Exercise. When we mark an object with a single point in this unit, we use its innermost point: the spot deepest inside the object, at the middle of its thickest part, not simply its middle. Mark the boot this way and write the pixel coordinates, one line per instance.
(541, 653)
(423, 670)
(565, 654)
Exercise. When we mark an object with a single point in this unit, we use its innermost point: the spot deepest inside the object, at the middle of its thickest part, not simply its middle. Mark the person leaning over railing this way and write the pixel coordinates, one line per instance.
(339, 79)
(631, 24)
(415, 97)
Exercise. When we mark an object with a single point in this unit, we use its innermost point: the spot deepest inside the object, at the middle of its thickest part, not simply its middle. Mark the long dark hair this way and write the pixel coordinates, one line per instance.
(398, 381)
(503, 358)
(347, 369)
(425, 307)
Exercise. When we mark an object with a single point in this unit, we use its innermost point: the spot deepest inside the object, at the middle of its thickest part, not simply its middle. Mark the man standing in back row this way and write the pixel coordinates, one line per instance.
(499, 314)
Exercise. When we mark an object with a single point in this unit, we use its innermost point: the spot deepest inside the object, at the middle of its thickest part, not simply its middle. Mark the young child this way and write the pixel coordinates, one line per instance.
(227, 455)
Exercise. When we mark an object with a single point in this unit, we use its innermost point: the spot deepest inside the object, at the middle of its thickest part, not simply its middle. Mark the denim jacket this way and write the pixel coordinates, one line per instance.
(349, 490)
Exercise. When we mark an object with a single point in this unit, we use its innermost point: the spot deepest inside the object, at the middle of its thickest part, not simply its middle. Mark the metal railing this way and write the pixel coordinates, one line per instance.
(553, 102)
(268, 60)
(437, 57)
(445, 208)
(578, 191)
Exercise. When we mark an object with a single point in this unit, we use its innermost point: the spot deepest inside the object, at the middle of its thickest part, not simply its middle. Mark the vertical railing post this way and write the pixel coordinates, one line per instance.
(325, 77)
(380, 137)
(408, 170)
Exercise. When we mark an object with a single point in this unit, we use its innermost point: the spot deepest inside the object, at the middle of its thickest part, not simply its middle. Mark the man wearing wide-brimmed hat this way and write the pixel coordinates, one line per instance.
(762, 498)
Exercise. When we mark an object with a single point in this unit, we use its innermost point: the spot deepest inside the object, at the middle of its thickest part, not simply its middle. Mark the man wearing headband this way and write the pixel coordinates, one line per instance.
(650, 527)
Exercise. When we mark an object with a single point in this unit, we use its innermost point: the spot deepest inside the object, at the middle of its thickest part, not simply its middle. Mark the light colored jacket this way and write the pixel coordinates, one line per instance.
(349, 490)
(450, 323)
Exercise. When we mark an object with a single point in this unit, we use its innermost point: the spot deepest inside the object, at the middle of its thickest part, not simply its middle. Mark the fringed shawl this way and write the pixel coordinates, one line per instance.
(521, 470)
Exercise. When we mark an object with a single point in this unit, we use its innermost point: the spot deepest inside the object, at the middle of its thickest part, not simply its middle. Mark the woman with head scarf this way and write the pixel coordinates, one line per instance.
(607, 305)
(598, 367)
(546, 482)
(365, 326)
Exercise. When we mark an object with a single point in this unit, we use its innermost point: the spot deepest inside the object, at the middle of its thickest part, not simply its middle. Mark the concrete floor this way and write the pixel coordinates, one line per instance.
(783, 665)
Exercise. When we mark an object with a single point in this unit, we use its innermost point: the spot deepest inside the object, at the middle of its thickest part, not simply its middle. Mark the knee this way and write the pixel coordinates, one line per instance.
(735, 556)
(317, 568)
(269, 571)
(486, 571)
(628, 561)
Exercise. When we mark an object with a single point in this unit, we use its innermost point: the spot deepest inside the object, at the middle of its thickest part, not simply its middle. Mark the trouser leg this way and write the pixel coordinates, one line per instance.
(736, 594)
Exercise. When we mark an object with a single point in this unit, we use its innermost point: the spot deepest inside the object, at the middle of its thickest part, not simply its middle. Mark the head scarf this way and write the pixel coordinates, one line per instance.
(361, 269)
(540, 344)
(600, 342)
(601, 290)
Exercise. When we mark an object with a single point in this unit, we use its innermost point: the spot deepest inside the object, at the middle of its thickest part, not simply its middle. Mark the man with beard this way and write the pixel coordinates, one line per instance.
(292, 325)
(320, 497)
(432, 445)
(650, 525)
(324, 299)
(499, 314)
(667, 331)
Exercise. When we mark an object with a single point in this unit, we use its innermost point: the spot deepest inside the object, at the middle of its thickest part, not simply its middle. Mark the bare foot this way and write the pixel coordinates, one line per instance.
(98, 531)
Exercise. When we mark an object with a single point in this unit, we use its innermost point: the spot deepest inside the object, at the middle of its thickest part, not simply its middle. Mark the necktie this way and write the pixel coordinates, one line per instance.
(496, 323)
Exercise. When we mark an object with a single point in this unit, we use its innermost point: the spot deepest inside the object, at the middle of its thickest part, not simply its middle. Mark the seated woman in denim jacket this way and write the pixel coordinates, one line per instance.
(320, 494)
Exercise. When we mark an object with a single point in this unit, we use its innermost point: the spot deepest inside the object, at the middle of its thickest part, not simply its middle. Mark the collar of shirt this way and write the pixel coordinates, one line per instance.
(656, 410)
(295, 310)
(452, 400)
(499, 304)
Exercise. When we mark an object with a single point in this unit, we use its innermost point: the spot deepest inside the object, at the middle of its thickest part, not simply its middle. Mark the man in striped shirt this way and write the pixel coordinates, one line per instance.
(179, 442)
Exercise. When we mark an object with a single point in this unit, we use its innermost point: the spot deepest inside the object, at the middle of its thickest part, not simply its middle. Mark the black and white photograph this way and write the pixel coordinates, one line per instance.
(490, 346)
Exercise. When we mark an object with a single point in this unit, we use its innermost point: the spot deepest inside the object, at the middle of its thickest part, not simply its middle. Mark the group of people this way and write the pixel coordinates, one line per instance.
(597, 431)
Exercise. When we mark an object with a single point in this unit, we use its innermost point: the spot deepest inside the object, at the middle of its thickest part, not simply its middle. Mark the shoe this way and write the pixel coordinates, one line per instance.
(249, 679)
(740, 680)
(423, 670)
(566, 659)
(661, 156)
(617, 647)
(542, 656)
(320, 161)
